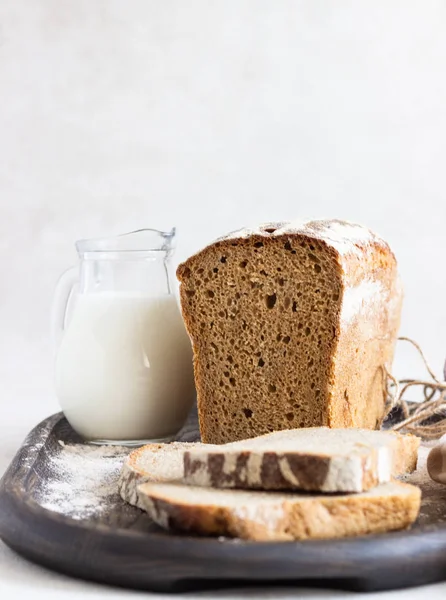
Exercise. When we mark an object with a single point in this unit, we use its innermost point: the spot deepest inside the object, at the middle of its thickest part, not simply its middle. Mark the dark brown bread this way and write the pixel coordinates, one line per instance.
(292, 326)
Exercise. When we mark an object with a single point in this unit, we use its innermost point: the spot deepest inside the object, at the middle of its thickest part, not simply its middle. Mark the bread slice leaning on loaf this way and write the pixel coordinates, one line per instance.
(272, 516)
(313, 459)
(292, 325)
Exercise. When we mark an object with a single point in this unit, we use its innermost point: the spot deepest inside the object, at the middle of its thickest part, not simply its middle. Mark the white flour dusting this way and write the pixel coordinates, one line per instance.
(345, 237)
(345, 231)
(82, 479)
(361, 298)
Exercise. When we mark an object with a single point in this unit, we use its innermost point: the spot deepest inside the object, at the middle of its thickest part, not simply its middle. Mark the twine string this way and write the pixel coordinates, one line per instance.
(415, 416)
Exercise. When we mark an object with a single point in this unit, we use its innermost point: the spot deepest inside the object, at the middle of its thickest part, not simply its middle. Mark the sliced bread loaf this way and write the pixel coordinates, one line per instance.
(272, 516)
(313, 459)
(292, 325)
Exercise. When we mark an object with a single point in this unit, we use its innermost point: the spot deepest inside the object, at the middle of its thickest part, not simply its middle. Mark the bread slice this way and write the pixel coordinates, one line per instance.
(152, 462)
(314, 459)
(292, 325)
(272, 516)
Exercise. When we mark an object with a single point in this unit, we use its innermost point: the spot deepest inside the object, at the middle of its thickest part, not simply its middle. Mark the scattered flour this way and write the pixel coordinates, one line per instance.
(345, 237)
(82, 478)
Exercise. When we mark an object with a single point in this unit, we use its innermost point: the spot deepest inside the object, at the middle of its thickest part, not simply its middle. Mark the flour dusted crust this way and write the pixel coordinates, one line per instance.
(343, 235)
(292, 325)
(271, 516)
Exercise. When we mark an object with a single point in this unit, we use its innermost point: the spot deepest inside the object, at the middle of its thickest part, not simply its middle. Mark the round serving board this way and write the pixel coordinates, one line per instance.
(59, 507)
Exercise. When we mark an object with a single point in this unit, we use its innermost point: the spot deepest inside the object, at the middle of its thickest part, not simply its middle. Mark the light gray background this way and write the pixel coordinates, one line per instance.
(209, 115)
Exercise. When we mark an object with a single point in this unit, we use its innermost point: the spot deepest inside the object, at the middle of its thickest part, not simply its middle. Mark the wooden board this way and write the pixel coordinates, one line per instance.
(101, 538)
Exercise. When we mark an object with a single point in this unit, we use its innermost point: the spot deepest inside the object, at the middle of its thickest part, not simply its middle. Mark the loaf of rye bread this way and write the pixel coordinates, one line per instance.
(274, 516)
(292, 325)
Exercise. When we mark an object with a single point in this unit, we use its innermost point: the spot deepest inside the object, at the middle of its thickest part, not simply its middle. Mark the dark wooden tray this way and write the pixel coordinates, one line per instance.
(119, 545)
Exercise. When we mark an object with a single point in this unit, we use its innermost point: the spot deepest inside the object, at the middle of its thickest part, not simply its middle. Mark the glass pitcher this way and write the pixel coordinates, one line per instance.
(124, 370)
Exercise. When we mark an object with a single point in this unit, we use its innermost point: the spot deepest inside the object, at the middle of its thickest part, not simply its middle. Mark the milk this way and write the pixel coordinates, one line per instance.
(124, 367)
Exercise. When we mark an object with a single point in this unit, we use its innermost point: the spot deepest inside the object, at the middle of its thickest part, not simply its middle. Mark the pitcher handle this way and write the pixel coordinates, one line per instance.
(64, 289)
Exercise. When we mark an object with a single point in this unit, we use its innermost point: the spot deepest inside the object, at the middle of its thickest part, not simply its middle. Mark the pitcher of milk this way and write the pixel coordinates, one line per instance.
(124, 370)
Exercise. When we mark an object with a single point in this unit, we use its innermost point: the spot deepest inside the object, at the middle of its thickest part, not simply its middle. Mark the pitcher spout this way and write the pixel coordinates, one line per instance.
(140, 240)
